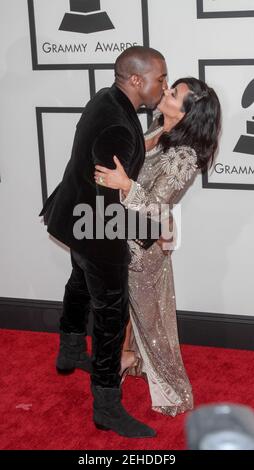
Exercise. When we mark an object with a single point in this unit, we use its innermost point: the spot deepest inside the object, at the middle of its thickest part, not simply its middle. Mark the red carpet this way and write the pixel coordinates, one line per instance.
(41, 410)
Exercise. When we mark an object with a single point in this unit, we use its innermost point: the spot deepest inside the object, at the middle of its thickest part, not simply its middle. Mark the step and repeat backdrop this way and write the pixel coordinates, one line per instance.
(55, 55)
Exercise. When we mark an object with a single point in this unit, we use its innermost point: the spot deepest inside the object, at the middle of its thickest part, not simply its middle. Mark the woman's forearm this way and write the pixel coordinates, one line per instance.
(126, 187)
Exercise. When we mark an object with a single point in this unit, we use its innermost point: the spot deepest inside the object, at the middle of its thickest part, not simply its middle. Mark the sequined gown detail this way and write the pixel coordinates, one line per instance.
(151, 285)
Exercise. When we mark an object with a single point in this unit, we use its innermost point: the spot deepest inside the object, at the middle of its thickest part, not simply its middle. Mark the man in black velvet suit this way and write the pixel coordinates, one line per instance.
(99, 280)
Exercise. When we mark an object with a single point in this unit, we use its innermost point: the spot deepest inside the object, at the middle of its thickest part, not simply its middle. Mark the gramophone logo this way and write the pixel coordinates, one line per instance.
(233, 81)
(85, 34)
(245, 143)
(86, 17)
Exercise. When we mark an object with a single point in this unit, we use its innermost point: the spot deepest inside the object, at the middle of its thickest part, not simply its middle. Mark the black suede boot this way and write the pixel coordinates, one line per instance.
(109, 414)
(72, 353)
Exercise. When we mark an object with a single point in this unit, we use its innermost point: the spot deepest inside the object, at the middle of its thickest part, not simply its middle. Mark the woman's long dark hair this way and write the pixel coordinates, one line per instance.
(200, 126)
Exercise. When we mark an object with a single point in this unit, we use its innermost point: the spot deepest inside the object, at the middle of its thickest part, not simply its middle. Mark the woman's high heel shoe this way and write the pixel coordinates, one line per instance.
(128, 361)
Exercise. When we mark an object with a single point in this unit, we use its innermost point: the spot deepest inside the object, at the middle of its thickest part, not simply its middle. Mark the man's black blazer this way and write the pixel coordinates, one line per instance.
(108, 126)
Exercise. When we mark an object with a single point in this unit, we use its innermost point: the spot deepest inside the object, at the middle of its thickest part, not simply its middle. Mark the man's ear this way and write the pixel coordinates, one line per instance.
(136, 81)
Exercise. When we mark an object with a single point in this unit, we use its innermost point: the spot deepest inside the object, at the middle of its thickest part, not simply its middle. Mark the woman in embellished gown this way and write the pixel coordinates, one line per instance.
(180, 141)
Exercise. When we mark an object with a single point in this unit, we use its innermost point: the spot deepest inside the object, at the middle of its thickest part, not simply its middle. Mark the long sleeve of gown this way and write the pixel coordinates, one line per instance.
(178, 165)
